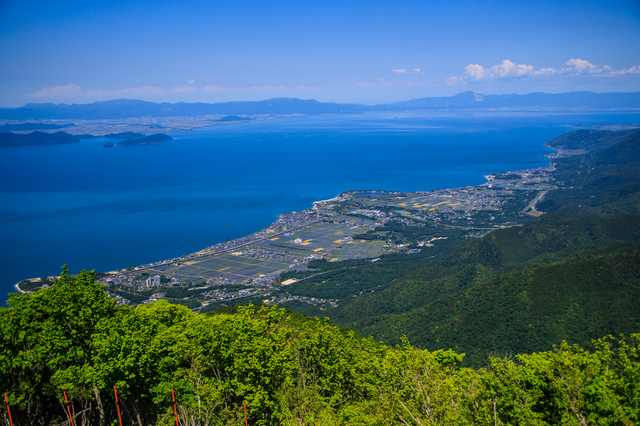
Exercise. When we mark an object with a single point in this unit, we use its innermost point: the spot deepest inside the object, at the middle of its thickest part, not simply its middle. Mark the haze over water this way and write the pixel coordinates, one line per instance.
(107, 208)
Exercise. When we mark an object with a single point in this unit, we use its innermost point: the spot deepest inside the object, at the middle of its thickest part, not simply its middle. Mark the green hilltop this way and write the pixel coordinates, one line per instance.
(67, 349)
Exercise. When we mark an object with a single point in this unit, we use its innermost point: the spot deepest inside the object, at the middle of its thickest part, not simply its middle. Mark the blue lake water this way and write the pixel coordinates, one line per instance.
(106, 208)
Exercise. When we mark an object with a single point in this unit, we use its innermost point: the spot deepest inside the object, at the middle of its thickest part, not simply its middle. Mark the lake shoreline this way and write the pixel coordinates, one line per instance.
(220, 180)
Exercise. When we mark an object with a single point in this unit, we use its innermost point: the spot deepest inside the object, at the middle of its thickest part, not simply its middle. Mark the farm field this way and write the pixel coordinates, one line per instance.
(330, 240)
(354, 225)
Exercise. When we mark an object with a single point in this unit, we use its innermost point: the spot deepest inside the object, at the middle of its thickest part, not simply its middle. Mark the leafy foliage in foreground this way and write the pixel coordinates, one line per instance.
(289, 371)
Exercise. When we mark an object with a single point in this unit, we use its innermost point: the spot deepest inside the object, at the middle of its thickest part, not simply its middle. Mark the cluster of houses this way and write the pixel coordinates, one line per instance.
(331, 303)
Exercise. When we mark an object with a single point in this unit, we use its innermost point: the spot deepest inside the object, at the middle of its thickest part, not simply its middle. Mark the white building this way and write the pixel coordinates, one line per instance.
(156, 280)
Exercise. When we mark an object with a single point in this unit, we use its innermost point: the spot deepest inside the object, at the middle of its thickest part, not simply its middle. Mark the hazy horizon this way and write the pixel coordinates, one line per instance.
(302, 99)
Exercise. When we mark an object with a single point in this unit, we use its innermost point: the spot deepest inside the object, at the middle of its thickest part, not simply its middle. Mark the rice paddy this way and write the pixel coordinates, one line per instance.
(273, 255)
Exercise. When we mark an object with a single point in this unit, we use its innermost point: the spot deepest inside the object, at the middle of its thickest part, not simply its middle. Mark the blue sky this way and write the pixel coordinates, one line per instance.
(341, 51)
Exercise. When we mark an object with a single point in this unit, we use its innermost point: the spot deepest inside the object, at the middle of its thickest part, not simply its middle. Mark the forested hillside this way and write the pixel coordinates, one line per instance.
(605, 181)
(71, 341)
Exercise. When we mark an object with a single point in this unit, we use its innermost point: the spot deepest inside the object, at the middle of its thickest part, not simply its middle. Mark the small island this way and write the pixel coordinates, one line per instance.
(157, 139)
(231, 118)
(36, 138)
(123, 135)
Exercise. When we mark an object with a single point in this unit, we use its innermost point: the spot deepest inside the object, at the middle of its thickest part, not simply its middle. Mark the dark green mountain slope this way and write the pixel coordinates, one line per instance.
(605, 181)
(548, 238)
(588, 139)
(576, 299)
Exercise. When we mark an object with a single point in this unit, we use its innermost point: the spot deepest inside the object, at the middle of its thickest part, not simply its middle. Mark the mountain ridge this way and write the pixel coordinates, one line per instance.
(130, 108)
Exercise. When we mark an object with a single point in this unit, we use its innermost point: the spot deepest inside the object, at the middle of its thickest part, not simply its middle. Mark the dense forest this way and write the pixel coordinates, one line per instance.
(558, 277)
(66, 348)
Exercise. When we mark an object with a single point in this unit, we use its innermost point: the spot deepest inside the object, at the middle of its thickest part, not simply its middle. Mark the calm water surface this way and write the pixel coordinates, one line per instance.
(107, 208)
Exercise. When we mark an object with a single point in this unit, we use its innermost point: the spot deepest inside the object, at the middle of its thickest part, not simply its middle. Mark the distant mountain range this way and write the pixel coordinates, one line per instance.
(124, 108)
(570, 100)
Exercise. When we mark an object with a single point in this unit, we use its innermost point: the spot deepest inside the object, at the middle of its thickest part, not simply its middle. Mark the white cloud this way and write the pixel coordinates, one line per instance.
(75, 91)
(252, 89)
(585, 68)
(454, 81)
(477, 72)
(581, 66)
(268, 87)
(72, 91)
(141, 91)
(411, 71)
(58, 92)
(360, 84)
(544, 72)
(508, 69)
(216, 89)
(633, 70)
(184, 89)
(188, 88)
(505, 69)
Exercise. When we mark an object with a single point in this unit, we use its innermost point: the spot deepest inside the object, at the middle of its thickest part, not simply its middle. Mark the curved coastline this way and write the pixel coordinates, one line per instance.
(336, 198)
(344, 195)
(17, 287)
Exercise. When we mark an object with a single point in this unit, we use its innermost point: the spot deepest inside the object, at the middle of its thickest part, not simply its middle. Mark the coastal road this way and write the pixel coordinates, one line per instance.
(531, 208)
